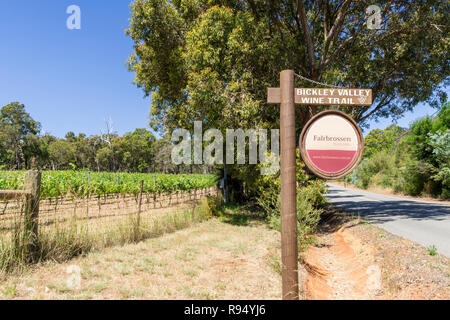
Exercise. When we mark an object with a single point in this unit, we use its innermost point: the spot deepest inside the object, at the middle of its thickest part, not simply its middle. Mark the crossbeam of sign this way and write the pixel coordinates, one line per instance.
(325, 96)
(331, 145)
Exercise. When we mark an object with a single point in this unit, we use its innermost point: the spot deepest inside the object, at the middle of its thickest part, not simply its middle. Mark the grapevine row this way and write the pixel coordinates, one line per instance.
(82, 183)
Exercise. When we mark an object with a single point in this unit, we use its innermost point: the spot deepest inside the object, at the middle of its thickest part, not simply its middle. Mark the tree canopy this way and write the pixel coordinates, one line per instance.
(23, 147)
(213, 60)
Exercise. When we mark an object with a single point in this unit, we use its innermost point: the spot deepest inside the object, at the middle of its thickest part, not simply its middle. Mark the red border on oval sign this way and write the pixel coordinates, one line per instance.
(335, 156)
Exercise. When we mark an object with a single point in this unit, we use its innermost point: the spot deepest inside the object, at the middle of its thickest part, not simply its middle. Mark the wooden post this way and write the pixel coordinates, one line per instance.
(140, 202)
(287, 96)
(154, 192)
(289, 250)
(225, 194)
(33, 186)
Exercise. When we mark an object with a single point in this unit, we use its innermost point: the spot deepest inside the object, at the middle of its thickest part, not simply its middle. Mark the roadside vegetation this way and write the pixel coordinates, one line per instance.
(413, 161)
(310, 203)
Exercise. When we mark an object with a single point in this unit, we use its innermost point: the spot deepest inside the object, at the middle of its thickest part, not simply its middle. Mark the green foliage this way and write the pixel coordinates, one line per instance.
(21, 147)
(383, 140)
(213, 60)
(380, 163)
(310, 200)
(18, 135)
(215, 204)
(418, 162)
(77, 183)
(432, 250)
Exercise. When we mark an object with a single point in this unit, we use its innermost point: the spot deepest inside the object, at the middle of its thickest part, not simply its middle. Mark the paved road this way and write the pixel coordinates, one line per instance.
(422, 222)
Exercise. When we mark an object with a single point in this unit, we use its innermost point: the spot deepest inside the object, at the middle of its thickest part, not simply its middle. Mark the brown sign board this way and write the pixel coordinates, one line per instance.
(331, 144)
(325, 96)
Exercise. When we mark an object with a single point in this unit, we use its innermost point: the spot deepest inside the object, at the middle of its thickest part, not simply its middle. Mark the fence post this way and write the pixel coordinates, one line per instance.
(32, 185)
(140, 202)
(154, 192)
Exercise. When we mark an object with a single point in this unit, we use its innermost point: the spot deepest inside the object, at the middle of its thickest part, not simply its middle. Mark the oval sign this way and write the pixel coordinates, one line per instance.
(331, 144)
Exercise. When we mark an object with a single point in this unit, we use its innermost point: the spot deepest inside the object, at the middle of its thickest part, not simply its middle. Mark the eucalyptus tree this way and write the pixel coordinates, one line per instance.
(213, 60)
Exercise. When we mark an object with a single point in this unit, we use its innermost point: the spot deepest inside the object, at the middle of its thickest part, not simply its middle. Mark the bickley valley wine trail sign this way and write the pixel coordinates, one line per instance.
(326, 96)
(331, 146)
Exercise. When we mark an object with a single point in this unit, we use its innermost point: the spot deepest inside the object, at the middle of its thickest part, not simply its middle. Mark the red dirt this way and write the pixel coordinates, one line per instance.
(342, 268)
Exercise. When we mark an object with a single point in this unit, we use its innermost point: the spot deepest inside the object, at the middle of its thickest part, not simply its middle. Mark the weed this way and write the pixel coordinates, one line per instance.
(432, 250)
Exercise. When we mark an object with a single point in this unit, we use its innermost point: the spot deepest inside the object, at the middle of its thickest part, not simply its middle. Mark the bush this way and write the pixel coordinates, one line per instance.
(310, 199)
(215, 204)
(416, 174)
(376, 170)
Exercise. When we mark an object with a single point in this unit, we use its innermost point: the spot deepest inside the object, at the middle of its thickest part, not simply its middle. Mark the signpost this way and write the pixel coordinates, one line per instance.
(326, 96)
(325, 158)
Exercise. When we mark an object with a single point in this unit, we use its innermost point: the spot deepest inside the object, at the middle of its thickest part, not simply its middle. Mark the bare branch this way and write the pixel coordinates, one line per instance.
(335, 29)
(384, 102)
(306, 31)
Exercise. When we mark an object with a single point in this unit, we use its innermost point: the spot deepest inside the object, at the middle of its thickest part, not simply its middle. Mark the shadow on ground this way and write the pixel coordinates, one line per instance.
(388, 210)
(241, 216)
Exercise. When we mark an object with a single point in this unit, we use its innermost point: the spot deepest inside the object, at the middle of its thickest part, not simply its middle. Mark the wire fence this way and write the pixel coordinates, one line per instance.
(99, 211)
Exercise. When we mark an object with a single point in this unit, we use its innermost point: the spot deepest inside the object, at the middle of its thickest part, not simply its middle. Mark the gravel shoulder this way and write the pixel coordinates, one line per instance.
(354, 259)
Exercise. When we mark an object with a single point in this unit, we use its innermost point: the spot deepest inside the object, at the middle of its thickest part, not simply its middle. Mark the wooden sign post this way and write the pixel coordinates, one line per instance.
(287, 96)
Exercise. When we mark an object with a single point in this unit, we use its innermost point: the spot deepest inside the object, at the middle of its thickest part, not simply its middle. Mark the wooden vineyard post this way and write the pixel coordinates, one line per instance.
(154, 192)
(140, 202)
(33, 186)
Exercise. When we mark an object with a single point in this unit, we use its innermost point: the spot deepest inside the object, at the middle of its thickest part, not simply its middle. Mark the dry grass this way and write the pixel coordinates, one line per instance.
(63, 241)
(234, 257)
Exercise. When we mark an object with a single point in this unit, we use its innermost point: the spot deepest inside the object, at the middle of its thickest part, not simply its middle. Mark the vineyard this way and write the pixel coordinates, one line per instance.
(83, 183)
(78, 211)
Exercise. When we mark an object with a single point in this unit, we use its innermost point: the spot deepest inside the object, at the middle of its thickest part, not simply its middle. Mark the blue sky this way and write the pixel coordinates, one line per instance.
(72, 80)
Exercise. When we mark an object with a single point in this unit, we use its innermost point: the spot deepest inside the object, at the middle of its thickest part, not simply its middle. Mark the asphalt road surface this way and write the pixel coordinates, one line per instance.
(422, 222)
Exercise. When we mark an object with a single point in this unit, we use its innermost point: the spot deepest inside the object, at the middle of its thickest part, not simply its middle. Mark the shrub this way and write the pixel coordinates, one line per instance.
(376, 170)
(215, 204)
(310, 199)
(415, 175)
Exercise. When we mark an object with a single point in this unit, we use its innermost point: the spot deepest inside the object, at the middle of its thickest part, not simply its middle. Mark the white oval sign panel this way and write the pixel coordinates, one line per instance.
(331, 144)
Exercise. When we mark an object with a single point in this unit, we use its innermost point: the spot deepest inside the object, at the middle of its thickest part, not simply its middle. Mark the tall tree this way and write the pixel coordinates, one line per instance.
(213, 60)
(15, 126)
